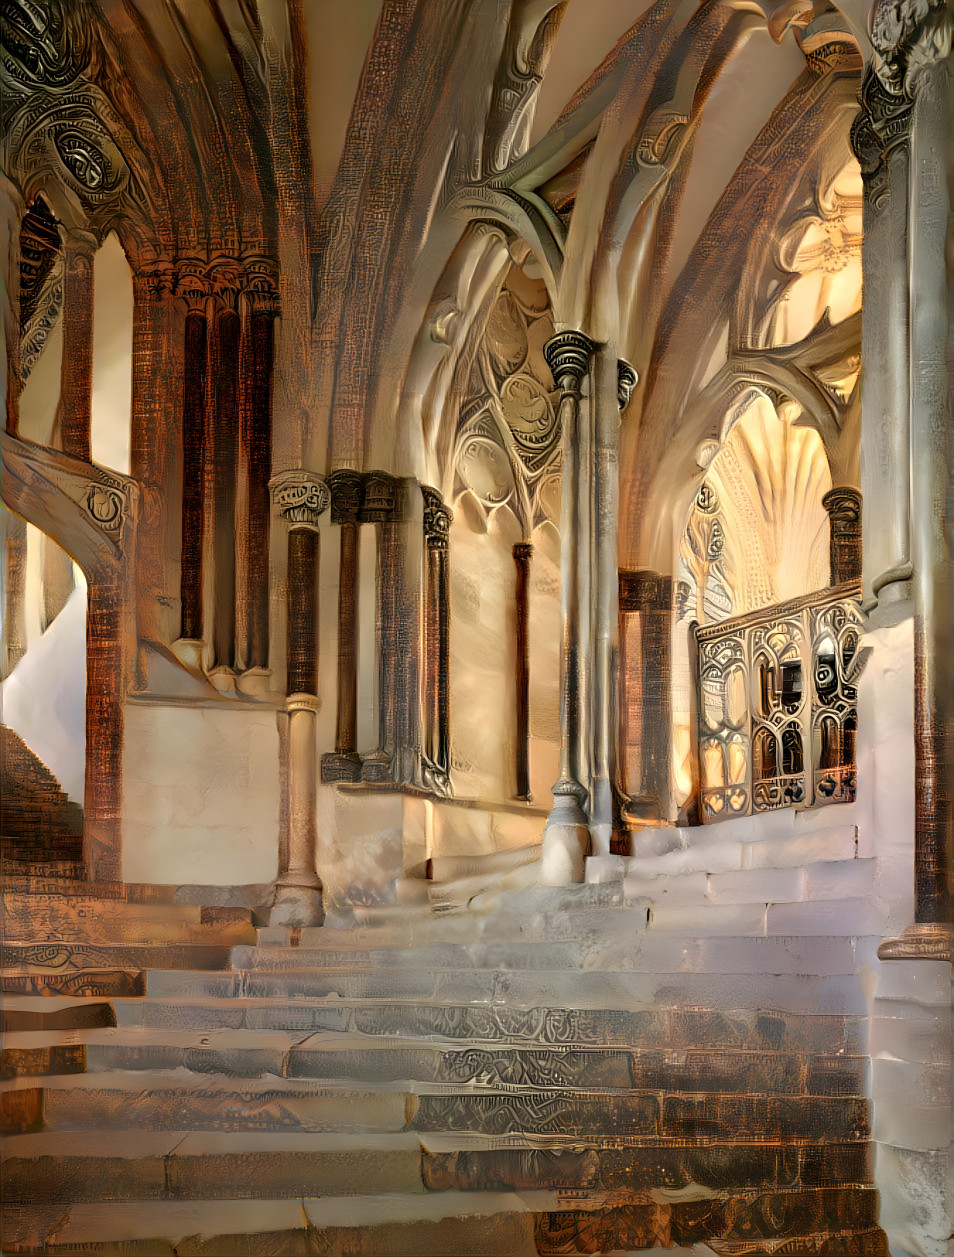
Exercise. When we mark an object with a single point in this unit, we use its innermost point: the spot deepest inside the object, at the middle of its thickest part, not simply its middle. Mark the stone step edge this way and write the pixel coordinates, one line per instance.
(177, 1221)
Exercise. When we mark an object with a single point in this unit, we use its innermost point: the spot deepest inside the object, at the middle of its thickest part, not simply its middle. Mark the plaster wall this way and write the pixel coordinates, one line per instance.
(200, 794)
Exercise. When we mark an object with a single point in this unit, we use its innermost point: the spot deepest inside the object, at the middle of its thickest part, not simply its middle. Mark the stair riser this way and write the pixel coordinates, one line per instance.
(544, 1026)
(605, 1119)
(60, 957)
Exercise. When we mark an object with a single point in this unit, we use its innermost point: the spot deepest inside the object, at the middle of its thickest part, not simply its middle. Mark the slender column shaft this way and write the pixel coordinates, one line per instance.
(931, 493)
(646, 691)
(345, 763)
(301, 497)
(105, 675)
(76, 372)
(14, 592)
(193, 459)
(437, 520)
(613, 384)
(252, 505)
(156, 453)
(522, 555)
(379, 509)
(566, 838)
(221, 433)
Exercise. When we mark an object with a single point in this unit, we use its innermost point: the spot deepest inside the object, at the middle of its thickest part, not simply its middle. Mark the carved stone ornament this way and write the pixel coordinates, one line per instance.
(908, 36)
(380, 491)
(568, 357)
(57, 119)
(301, 496)
(843, 505)
(106, 505)
(626, 381)
(346, 495)
(880, 128)
(437, 519)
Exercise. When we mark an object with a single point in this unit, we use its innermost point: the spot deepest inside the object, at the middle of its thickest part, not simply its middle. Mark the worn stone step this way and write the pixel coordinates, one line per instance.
(121, 1101)
(211, 999)
(510, 1224)
(676, 1027)
(74, 1167)
(39, 1012)
(105, 982)
(164, 1101)
(39, 918)
(504, 1167)
(645, 952)
(58, 957)
(365, 954)
(23, 883)
(237, 1053)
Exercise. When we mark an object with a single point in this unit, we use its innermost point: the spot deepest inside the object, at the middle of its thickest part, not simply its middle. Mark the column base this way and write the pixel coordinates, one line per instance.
(297, 906)
(376, 767)
(188, 650)
(566, 839)
(924, 940)
(254, 682)
(223, 678)
(340, 766)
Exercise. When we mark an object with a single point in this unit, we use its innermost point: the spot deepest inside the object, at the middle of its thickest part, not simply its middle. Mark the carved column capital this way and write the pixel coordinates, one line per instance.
(843, 505)
(226, 277)
(192, 284)
(155, 281)
(380, 493)
(437, 519)
(346, 495)
(301, 496)
(523, 550)
(909, 36)
(568, 357)
(260, 286)
(626, 380)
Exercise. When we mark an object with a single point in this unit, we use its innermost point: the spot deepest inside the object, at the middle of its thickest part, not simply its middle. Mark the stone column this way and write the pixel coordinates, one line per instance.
(344, 763)
(437, 522)
(843, 505)
(646, 692)
(378, 508)
(902, 138)
(192, 525)
(611, 396)
(301, 497)
(156, 455)
(566, 837)
(258, 308)
(522, 555)
(76, 371)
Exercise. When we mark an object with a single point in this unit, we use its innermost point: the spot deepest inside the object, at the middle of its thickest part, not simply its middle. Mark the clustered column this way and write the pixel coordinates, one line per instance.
(344, 764)
(301, 497)
(76, 372)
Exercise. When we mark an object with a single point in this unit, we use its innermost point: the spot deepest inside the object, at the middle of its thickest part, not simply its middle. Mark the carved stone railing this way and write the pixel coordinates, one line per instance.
(776, 706)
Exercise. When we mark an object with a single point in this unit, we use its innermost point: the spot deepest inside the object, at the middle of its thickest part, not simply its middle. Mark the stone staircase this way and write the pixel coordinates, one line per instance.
(556, 1071)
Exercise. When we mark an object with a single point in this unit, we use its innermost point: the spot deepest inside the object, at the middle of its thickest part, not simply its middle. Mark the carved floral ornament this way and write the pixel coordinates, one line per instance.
(301, 497)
